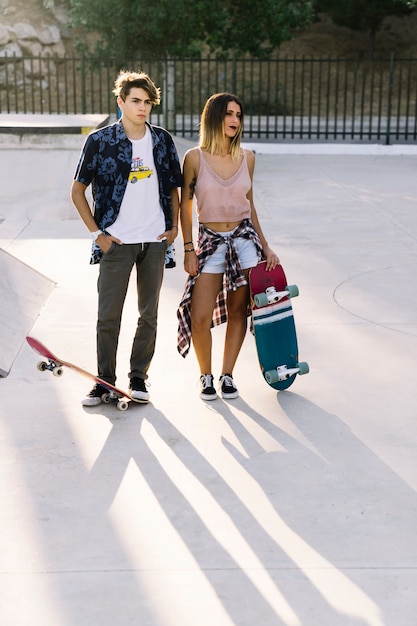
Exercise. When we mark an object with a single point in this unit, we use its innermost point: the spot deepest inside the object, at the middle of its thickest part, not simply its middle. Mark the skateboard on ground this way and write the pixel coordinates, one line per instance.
(273, 326)
(55, 365)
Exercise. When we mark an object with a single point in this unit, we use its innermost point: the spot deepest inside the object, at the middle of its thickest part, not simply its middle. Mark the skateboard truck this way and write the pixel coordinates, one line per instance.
(271, 295)
(121, 404)
(52, 366)
(282, 372)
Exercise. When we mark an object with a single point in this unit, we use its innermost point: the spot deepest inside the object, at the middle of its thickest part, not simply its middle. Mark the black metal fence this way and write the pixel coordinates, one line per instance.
(285, 99)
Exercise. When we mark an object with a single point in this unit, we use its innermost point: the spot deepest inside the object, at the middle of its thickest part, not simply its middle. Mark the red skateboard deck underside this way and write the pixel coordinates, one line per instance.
(42, 350)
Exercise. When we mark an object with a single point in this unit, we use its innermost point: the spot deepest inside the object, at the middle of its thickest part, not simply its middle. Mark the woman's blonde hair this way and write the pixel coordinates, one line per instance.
(128, 80)
(211, 127)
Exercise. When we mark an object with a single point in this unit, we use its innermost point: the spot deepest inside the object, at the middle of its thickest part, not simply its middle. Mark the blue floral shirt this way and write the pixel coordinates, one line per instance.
(105, 163)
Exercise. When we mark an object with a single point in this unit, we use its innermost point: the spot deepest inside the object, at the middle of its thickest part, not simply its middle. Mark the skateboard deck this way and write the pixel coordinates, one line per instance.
(55, 365)
(273, 326)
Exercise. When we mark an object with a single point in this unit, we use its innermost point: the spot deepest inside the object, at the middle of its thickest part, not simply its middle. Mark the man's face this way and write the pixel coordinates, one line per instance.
(137, 106)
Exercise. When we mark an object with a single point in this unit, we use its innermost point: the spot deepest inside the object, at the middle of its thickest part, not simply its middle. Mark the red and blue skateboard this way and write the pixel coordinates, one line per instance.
(273, 326)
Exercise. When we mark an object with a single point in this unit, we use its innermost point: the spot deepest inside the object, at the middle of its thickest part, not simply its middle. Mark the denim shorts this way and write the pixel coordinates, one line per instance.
(246, 250)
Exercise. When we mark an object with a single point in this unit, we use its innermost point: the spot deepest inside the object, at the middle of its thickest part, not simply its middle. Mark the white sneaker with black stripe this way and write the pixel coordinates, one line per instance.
(227, 387)
(207, 390)
(95, 397)
(138, 389)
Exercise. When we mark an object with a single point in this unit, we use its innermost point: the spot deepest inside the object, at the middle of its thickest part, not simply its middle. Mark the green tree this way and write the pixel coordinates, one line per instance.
(257, 27)
(168, 28)
(178, 28)
(364, 15)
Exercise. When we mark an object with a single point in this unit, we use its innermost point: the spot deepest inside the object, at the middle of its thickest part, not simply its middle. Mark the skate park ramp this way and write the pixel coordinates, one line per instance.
(23, 292)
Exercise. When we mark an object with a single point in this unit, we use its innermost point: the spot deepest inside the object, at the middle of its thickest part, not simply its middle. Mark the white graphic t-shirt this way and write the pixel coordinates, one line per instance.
(141, 218)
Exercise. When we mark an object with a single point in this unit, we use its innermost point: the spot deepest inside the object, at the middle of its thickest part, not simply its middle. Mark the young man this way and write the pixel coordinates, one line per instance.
(134, 171)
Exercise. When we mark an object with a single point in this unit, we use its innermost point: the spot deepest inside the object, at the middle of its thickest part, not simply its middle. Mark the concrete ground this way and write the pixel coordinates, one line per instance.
(275, 509)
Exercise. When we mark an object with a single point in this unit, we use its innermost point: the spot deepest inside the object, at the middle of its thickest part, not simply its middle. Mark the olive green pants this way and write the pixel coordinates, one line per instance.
(114, 275)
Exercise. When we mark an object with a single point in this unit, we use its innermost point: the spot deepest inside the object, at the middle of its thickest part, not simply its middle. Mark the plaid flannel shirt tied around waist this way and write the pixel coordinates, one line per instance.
(233, 277)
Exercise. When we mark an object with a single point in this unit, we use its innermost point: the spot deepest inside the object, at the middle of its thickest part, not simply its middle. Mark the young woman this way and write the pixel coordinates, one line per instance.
(230, 241)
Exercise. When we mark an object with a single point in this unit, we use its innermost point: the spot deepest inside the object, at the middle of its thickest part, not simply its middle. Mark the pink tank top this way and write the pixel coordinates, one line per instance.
(220, 200)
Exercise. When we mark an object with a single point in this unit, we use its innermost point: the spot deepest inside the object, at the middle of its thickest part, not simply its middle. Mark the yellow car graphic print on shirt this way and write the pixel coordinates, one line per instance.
(138, 170)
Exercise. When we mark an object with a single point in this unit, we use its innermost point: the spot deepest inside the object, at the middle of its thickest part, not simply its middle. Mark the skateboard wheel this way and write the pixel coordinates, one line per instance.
(293, 291)
(42, 366)
(260, 299)
(122, 405)
(303, 368)
(105, 398)
(271, 377)
(57, 371)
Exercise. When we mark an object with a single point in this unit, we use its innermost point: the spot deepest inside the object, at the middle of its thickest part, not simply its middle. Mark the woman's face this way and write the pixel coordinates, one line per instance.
(232, 119)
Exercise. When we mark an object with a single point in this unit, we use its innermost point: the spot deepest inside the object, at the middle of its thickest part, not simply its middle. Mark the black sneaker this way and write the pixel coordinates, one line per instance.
(207, 390)
(227, 387)
(95, 396)
(138, 389)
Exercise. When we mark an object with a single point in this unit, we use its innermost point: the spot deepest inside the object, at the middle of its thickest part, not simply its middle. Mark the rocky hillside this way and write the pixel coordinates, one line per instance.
(30, 29)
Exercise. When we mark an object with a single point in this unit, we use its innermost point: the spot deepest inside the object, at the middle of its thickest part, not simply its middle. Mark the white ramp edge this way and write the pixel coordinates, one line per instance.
(23, 293)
